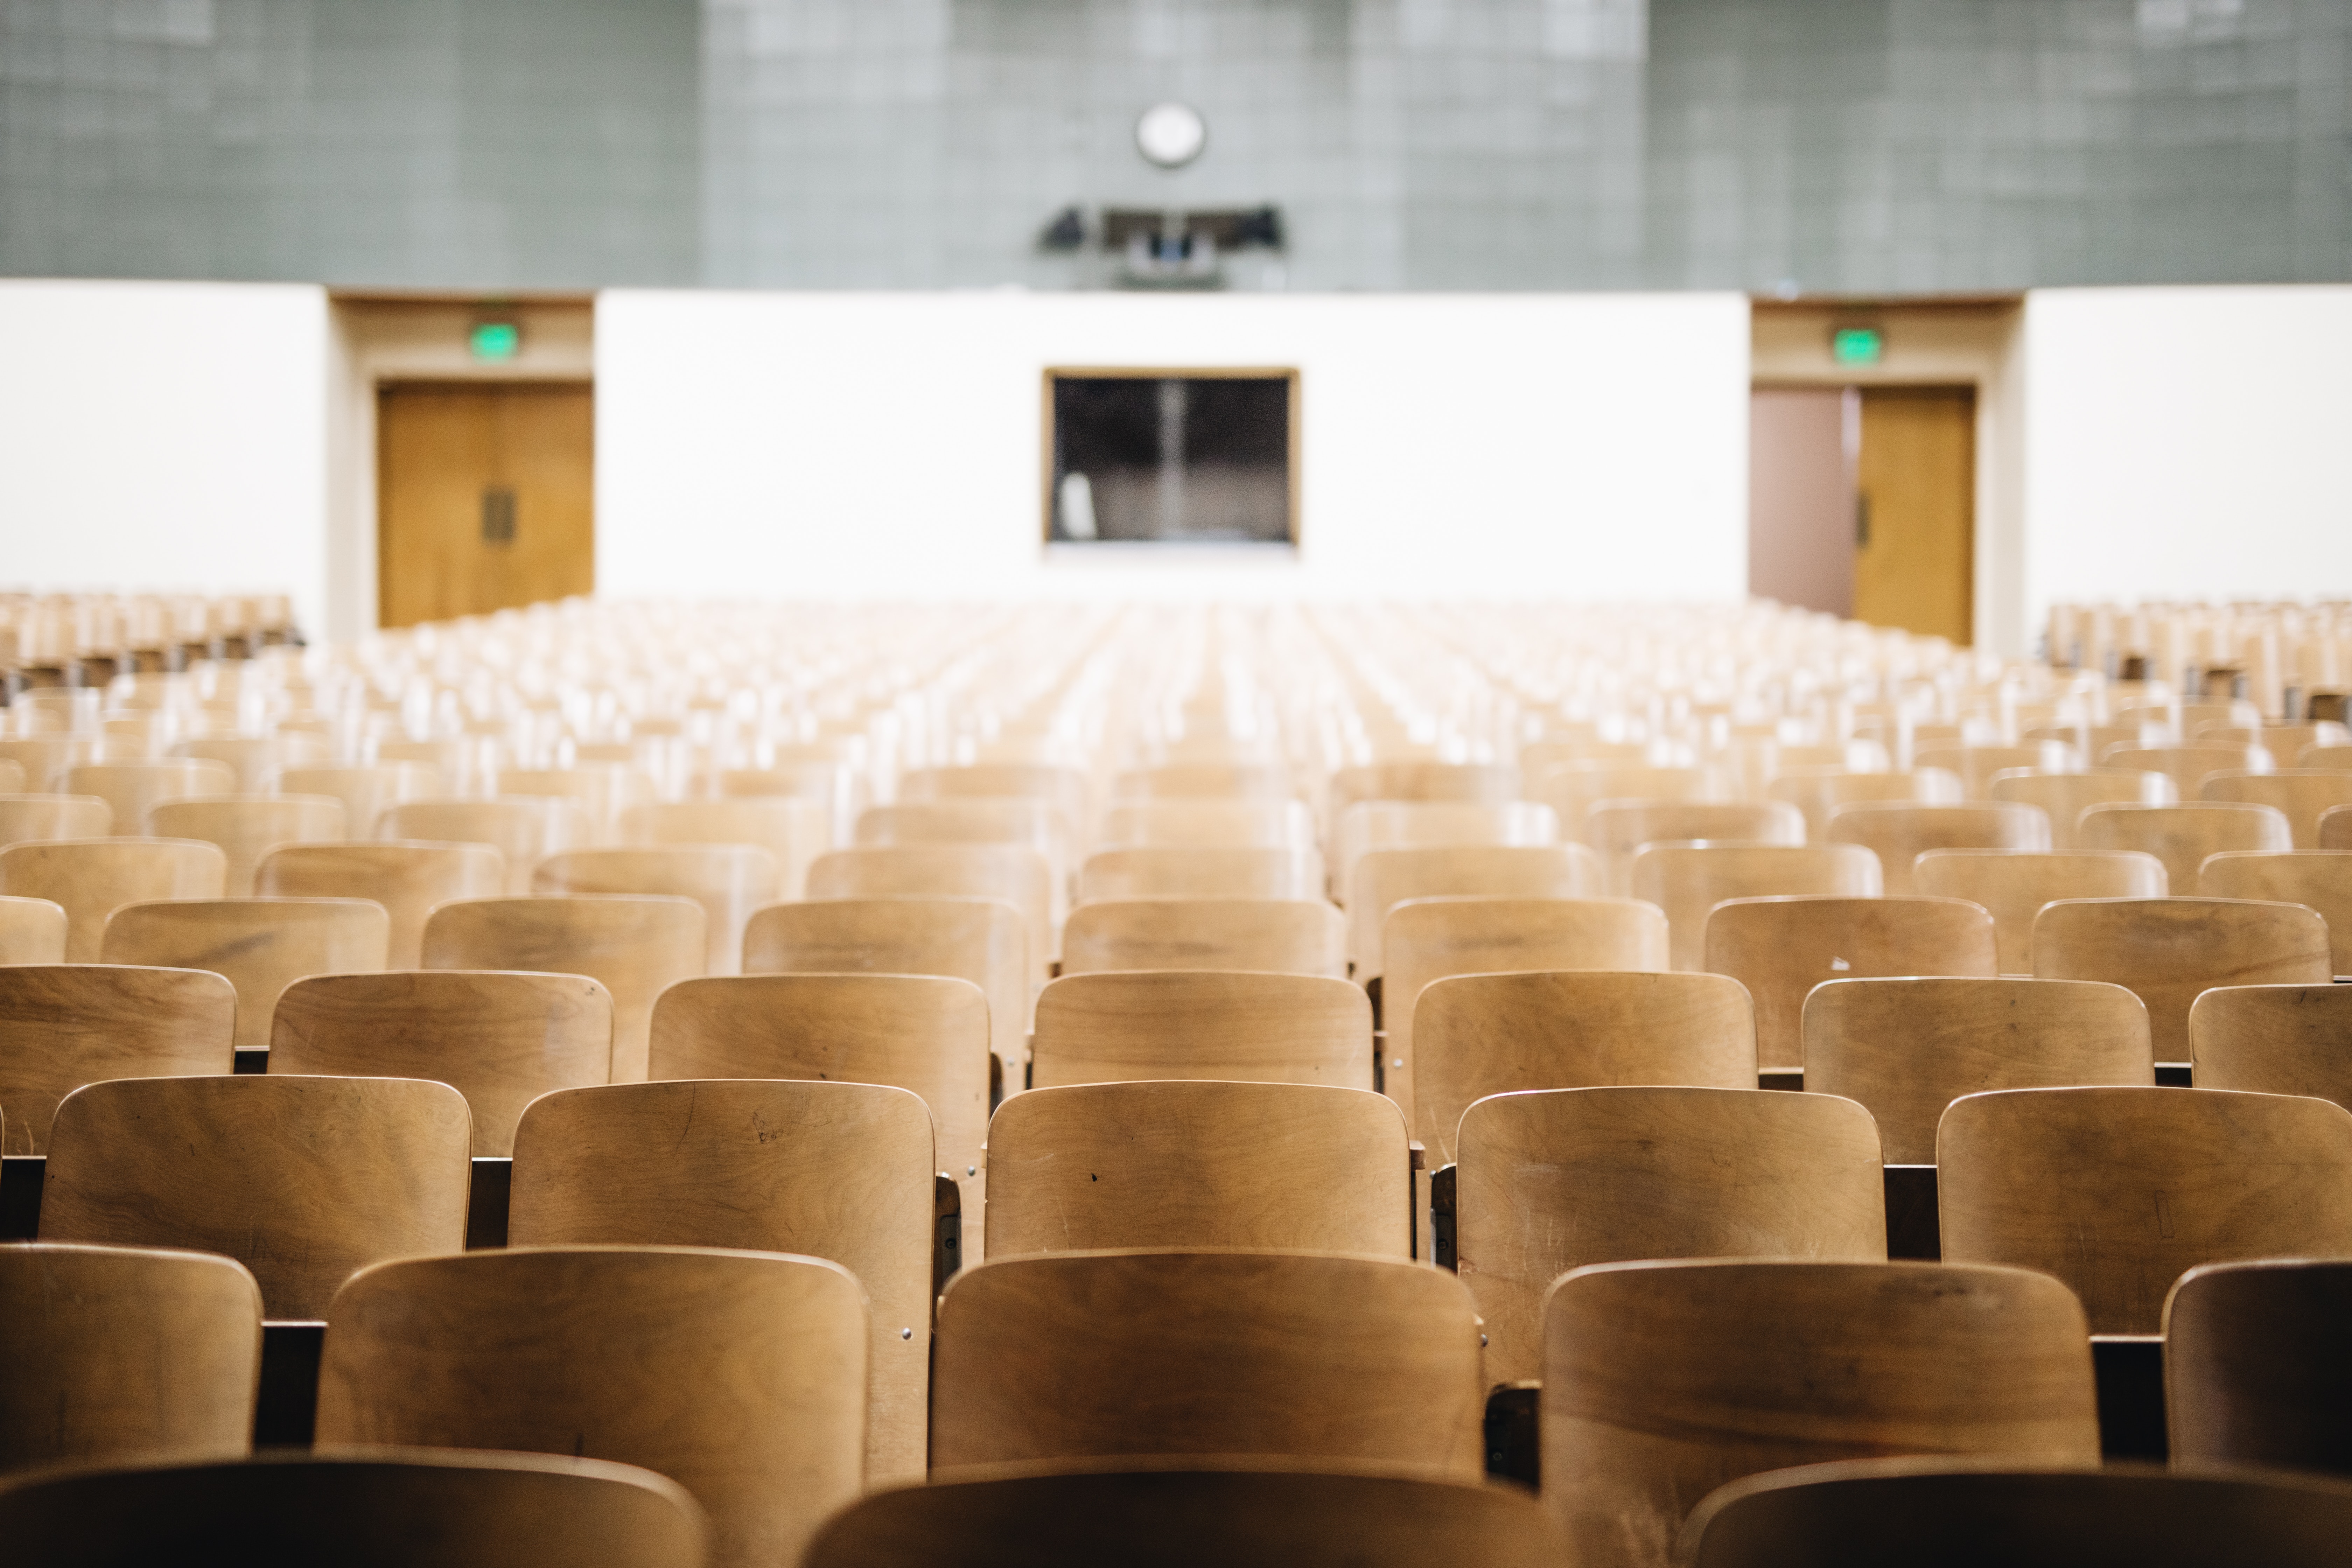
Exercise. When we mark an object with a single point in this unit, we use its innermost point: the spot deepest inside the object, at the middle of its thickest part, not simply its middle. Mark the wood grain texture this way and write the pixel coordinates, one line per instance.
(1616, 828)
(1201, 873)
(118, 1353)
(260, 945)
(33, 931)
(1407, 825)
(1899, 833)
(1203, 1025)
(2167, 951)
(2183, 836)
(247, 827)
(366, 792)
(838, 1171)
(1479, 1035)
(1663, 1380)
(794, 831)
(90, 879)
(66, 1024)
(130, 788)
(729, 880)
(636, 946)
(2274, 1039)
(302, 1180)
(2255, 1367)
(2066, 797)
(1295, 936)
(523, 831)
(1428, 939)
(1817, 792)
(1202, 780)
(1686, 880)
(2118, 1192)
(1086, 1355)
(1208, 825)
(1906, 1049)
(740, 1376)
(2319, 879)
(1199, 1164)
(2300, 794)
(501, 1038)
(407, 878)
(1553, 1180)
(28, 818)
(1014, 873)
(2013, 885)
(1781, 948)
(1384, 879)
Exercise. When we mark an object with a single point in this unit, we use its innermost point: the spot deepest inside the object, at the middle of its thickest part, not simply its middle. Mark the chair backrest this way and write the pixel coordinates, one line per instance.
(46, 758)
(1313, 1355)
(1616, 828)
(1480, 1034)
(2302, 794)
(1199, 1164)
(1405, 825)
(1477, 783)
(2318, 878)
(260, 945)
(1781, 948)
(1428, 939)
(524, 830)
(366, 791)
(130, 788)
(2013, 884)
(2118, 1192)
(1235, 1026)
(1906, 1049)
(1387, 878)
(1039, 824)
(288, 1509)
(2183, 836)
(2255, 1366)
(1686, 880)
(66, 1024)
(740, 1376)
(2187, 766)
(1573, 789)
(1295, 936)
(1899, 834)
(839, 1171)
(28, 818)
(1247, 1513)
(1014, 873)
(2271, 1039)
(729, 880)
(1663, 1380)
(2064, 797)
(247, 827)
(1202, 780)
(1166, 872)
(406, 877)
(302, 1180)
(1065, 787)
(635, 945)
(119, 1354)
(32, 931)
(794, 831)
(1553, 1180)
(1817, 792)
(1208, 825)
(258, 760)
(598, 791)
(90, 879)
(2335, 827)
(2168, 950)
(1977, 765)
(499, 1037)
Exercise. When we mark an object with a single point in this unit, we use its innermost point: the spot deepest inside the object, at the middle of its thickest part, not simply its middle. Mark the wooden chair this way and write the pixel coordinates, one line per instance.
(408, 878)
(729, 880)
(46, 758)
(2255, 1370)
(2066, 797)
(794, 831)
(130, 788)
(1428, 939)
(257, 760)
(2187, 766)
(1663, 1380)
(2300, 794)
(118, 1353)
(1615, 829)
(1977, 765)
(2318, 878)
(980, 821)
(2060, 1180)
(1064, 788)
(1906, 1048)
(1556, 1179)
(1948, 1514)
(1406, 825)
(1249, 1027)
(12, 777)
(66, 1024)
(838, 787)
(1900, 834)
(922, 1033)
(1302, 1355)
(2183, 836)
(38, 818)
(1573, 790)
(635, 945)
(2015, 884)
(740, 1376)
(1686, 880)
(1017, 875)
(2335, 828)
(523, 831)
(2167, 951)
(1172, 873)
(1472, 782)
(247, 827)
(32, 931)
(1249, 1513)
(2327, 757)
(1817, 792)
(260, 945)
(1387, 878)
(302, 1180)
(838, 1171)
(597, 792)
(2271, 1039)
(1294, 936)
(366, 791)
(1208, 825)
(415, 1508)
(1202, 780)
(1267, 1166)
(983, 940)
(90, 879)
(499, 1038)
(1781, 948)
(1480, 1034)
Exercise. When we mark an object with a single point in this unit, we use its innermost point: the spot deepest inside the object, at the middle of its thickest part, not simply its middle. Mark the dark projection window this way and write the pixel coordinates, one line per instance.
(1198, 457)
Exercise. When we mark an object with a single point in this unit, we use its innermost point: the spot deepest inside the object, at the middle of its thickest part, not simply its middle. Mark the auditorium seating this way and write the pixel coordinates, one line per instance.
(1244, 1027)
(1284, 936)
(2169, 951)
(2274, 1039)
(260, 945)
(66, 1024)
(2013, 885)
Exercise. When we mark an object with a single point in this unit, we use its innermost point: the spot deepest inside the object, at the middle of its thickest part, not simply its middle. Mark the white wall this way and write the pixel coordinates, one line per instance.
(2187, 443)
(800, 444)
(164, 436)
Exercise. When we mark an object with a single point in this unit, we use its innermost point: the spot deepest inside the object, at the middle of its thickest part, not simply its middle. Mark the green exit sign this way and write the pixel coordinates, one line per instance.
(1857, 345)
(495, 340)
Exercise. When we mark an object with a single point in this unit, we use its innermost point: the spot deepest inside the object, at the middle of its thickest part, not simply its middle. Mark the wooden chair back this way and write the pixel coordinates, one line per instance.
(2060, 1180)
(1900, 834)
(260, 945)
(839, 788)
(2328, 757)
(1977, 765)
(2335, 828)
(980, 821)
(598, 793)
(247, 827)
(366, 791)
(740, 1376)
(46, 758)
(1387, 878)
(838, 1170)
(2271, 1039)
(729, 880)
(2187, 766)
(1409, 825)
(1309, 1355)
(1477, 784)
(12, 777)
(66, 1024)
(1013, 873)
(2183, 836)
(38, 818)
(130, 788)
(90, 879)
(2167, 951)
(407, 879)
(1686, 880)
(1616, 828)
(1202, 780)
(1572, 789)
(1207, 873)
(1663, 1380)
(302, 1180)
(524, 831)
(501, 1038)
(1064, 788)
(794, 831)
(1781, 948)
(257, 760)
(1556, 1179)
(2066, 797)
(1906, 1048)
(2320, 879)
(2255, 1367)
(1295, 936)
(2300, 794)
(1208, 825)
(2015, 884)
(1817, 792)
(32, 931)
(1248, 1027)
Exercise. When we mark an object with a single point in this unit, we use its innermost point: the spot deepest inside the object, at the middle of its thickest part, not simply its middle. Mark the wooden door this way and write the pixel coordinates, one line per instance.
(485, 498)
(1915, 527)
